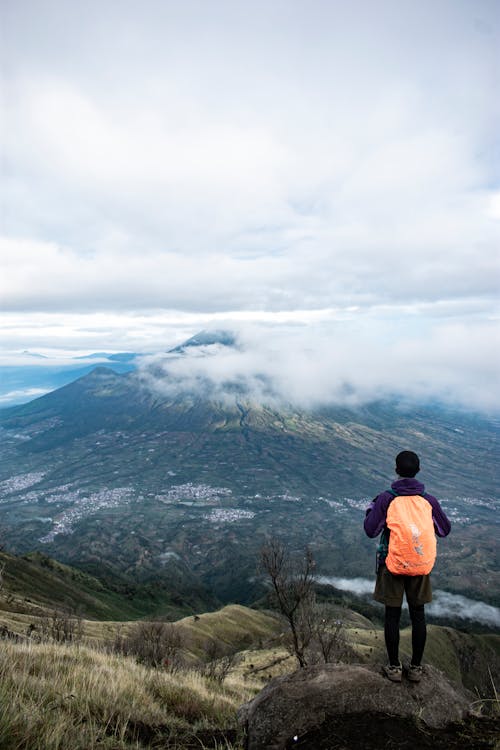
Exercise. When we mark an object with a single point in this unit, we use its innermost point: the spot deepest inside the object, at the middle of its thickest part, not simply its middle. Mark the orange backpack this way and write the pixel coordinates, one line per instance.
(412, 541)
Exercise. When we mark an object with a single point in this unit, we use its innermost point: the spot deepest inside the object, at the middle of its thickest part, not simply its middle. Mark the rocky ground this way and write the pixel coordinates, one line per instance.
(353, 707)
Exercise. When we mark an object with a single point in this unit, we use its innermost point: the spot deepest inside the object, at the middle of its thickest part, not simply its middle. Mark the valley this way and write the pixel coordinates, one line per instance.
(105, 475)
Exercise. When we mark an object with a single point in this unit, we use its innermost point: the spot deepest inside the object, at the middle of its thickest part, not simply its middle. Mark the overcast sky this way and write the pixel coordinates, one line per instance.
(325, 167)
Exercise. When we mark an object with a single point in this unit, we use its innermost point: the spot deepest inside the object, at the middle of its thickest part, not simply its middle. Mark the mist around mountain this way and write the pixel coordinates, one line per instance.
(27, 375)
(206, 338)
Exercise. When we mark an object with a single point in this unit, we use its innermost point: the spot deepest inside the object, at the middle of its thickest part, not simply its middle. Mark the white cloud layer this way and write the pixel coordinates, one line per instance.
(343, 362)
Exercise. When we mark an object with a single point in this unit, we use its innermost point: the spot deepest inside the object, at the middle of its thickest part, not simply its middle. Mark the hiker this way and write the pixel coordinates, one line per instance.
(409, 518)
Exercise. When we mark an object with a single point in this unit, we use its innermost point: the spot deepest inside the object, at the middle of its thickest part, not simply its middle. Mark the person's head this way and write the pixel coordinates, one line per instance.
(407, 464)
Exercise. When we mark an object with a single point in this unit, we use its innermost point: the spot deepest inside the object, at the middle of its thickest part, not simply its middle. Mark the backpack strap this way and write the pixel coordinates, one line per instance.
(383, 545)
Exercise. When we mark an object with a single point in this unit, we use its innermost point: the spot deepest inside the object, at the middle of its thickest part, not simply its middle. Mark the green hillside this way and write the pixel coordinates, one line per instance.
(34, 583)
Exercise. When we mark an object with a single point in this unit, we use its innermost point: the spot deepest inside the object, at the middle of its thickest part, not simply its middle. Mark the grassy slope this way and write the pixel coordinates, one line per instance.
(234, 626)
(60, 696)
(79, 696)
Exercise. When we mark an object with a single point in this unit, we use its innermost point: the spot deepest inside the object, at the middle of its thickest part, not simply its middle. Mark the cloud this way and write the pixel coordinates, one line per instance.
(46, 276)
(444, 604)
(340, 362)
(151, 165)
(302, 357)
(358, 586)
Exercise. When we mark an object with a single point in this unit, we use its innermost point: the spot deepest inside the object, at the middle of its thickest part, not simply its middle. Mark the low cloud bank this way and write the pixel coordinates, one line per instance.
(347, 362)
(444, 604)
(358, 586)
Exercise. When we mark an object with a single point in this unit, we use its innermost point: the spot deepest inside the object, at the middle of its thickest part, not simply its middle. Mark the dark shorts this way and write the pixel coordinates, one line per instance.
(389, 588)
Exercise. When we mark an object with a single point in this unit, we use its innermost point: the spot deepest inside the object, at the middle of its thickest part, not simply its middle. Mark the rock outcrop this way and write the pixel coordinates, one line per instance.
(294, 705)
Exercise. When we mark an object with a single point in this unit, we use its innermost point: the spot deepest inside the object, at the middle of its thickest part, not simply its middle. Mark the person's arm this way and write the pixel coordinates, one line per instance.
(376, 514)
(442, 525)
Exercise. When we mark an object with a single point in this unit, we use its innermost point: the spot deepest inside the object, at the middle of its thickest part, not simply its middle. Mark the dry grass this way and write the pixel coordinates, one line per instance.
(56, 697)
(234, 625)
(78, 696)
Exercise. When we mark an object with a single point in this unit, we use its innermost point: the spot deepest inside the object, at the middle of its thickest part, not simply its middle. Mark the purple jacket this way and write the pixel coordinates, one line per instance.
(376, 513)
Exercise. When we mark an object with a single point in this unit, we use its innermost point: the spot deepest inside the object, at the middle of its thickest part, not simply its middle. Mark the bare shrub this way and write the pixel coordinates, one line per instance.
(61, 626)
(5, 633)
(220, 661)
(330, 642)
(116, 646)
(156, 643)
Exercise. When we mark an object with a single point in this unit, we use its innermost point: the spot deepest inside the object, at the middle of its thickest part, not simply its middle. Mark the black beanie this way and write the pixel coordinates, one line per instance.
(407, 464)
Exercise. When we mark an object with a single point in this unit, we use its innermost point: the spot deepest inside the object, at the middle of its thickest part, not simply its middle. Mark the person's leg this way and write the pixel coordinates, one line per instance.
(418, 632)
(391, 632)
(389, 590)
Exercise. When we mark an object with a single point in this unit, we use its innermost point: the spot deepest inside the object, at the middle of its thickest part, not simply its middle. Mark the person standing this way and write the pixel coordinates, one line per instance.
(408, 519)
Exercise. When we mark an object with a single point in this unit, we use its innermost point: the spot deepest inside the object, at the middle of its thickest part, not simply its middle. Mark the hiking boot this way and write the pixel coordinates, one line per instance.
(415, 673)
(392, 672)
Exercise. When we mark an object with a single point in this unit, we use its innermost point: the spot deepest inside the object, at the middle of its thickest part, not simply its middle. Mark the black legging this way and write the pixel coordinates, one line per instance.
(418, 632)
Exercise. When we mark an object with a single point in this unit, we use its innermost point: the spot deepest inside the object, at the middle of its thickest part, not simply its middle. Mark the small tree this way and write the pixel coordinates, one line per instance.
(293, 587)
(314, 631)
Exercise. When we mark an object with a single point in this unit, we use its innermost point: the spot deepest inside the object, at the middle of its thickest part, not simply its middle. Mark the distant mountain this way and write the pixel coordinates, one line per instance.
(207, 338)
(107, 471)
(119, 357)
(344, 450)
(32, 355)
(31, 377)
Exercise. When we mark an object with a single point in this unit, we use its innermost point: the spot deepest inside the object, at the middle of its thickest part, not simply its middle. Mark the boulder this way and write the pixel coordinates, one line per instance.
(293, 705)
